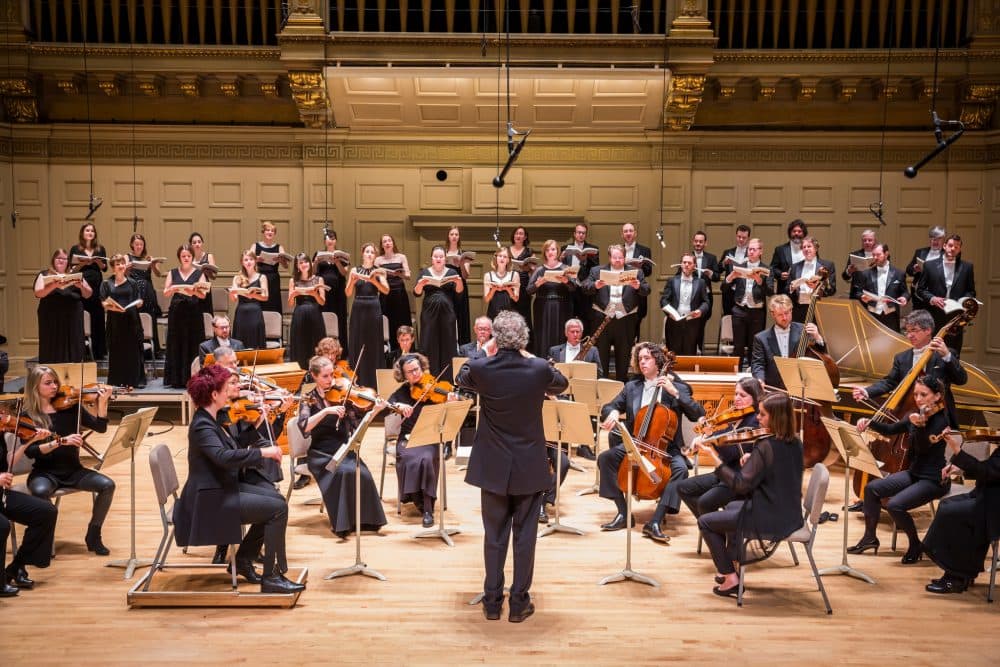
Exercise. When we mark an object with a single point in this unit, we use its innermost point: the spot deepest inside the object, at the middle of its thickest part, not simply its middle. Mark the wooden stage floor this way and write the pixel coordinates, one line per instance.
(77, 612)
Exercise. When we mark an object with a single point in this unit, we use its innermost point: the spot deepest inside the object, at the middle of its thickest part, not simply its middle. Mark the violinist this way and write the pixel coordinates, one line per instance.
(648, 360)
(417, 469)
(804, 278)
(781, 340)
(57, 459)
(707, 492)
(329, 425)
(330, 348)
(921, 482)
(771, 481)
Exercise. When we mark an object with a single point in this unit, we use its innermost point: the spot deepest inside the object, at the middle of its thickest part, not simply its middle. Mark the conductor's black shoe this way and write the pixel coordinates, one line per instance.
(586, 452)
(302, 482)
(618, 523)
(221, 554)
(428, 520)
(19, 577)
(543, 516)
(863, 545)
(8, 591)
(856, 507)
(653, 532)
(947, 584)
(277, 583)
(245, 569)
(518, 616)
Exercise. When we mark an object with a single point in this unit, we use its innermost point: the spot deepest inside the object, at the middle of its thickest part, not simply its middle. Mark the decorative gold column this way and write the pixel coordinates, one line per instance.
(690, 44)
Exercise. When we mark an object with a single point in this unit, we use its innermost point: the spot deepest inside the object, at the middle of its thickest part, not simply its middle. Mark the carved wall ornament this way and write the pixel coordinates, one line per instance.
(978, 104)
(685, 93)
(190, 86)
(19, 100)
(309, 93)
(110, 87)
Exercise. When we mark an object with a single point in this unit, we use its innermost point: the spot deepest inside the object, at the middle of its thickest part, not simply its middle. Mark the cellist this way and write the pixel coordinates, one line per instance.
(647, 359)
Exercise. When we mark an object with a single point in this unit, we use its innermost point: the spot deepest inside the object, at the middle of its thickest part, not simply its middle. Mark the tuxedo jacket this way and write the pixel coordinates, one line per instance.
(557, 353)
(950, 372)
(796, 271)
(765, 349)
(212, 344)
(726, 289)
(860, 252)
(760, 292)
(585, 265)
(671, 294)
(629, 400)
(645, 252)
(895, 284)
(932, 283)
(708, 262)
(781, 261)
(631, 297)
(469, 350)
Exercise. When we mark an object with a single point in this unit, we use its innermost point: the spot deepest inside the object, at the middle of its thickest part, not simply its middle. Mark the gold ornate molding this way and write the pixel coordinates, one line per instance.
(979, 101)
(309, 92)
(19, 100)
(684, 96)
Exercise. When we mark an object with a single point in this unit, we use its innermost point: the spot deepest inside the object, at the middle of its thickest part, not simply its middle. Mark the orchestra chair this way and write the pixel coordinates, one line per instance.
(298, 447)
(331, 324)
(726, 335)
(272, 329)
(385, 384)
(163, 320)
(993, 571)
(206, 319)
(386, 346)
(812, 505)
(220, 301)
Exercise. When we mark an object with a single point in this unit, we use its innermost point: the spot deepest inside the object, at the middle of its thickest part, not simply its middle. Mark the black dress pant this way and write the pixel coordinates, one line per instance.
(610, 461)
(620, 334)
(704, 493)
(747, 323)
(39, 517)
(682, 337)
(905, 492)
(501, 514)
(719, 531)
(550, 495)
(265, 510)
(44, 485)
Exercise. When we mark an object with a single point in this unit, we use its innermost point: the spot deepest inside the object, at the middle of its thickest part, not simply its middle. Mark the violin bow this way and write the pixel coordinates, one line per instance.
(350, 383)
(430, 385)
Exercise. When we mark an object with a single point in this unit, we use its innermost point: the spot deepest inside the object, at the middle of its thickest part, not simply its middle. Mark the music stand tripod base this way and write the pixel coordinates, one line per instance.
(629, 574)
(357, 568)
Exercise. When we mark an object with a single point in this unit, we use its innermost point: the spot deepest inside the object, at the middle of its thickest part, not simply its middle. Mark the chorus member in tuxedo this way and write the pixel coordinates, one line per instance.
(520, 250)
(570, 350)
(405, 344)
(502, 285)
(735, 255)
(867, 249)
(687, 294)
(396, 303)
(437, 312)
(636, 251)
(329, 426)
(807, 272)
(569, 257)
(453, 250)
(139, 252)
(964, 525)
(648, 360)
(185, 324)
(707, 492)
(124, 329)
(933, 250)
(334, 275)
(882, 280)
(749, 298)
(220, 338)
(553, 299)
(307, 296)
(483, 329)
(56, 449)
(60, 313)
(508, 461)
(706, 268)
(215, 502)
(947, 278)
(92, 266)
(248, 321)
(771, 480)
(621, 304)
(781, 340)
(787, 254)
(39, 518)
(366, 284)
(921, 482)
(205, 261)
(268, 243)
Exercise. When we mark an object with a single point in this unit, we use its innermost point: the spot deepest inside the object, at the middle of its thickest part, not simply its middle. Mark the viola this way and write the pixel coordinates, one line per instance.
(360, 397)
(724, 417)
(737, 437)
(22, 426)
(68, 395)
(430, 390)
(982, 434)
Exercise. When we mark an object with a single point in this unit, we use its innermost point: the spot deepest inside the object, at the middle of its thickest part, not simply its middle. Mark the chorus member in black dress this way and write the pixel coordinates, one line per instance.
(454, 260)
(621, 304)
(437, 312)
(39, 518)
(771, 481)
(307, 295)
(405, 344)
(882, 280)
(268, 269)
(748, 296)
(329, 426)
(215, 502)
(948, 278)
(122, 298)
(366, 284)
(249, 290)
(334, 275)
(502, 285)
(185, 323)
(921, 482)
(139, 252)
(804, 279)
(57, 459)
(553, 299)
(647, 360)
(706, 492)
(205, 261)
(966, 524)
(60, 313)
(396, 303)
(520, 250)
(933, 250)
(90, 258)
(788, 254)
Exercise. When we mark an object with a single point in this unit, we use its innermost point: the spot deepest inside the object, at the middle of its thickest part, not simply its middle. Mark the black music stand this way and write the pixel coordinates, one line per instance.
(130, 432)
(564, 421)
(852, 448)
(436, 425)
(637, 460)
(353, 444)
(805, 379)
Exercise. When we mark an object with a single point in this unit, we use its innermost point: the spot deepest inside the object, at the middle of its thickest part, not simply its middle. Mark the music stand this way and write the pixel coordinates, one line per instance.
(436, 425)
(130, 432)
(637, 461)
(805, 378)
(852, 448)
(564, 422)
(594, 393)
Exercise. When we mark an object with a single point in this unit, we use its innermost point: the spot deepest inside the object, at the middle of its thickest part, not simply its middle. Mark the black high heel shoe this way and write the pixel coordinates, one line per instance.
(912, 556)
(864, 545)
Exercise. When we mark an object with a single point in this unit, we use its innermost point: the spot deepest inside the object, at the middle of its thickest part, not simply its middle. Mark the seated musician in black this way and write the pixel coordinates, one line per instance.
(215, 502)
(648, 360)
(921, 482)
(966, 524)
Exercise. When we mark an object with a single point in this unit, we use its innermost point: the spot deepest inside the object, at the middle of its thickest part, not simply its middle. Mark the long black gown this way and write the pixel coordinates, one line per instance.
(336, 299)
(501, 300)
(248, 321)
(417, 468)
(125, 367)
(60, 326)
(338, 487)
(206, 304)
(93, 274)
(307, 327)
(185, 332)
(150, 304)
(396, 304)
(553, 306)
(523, 304)
(270, 273)
(461, 301)
(437, 324)
(366, 331)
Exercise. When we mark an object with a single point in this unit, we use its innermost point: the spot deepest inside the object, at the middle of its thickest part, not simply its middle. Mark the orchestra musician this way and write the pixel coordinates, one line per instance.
(215, 501)
(687, 294)
(552, 305)
(748, 296)
(508, 461)
(623, 300)
(788, 254)
(185, 324)
(804, 280)
(205, 261)
(248, 321)
(581, 299)
(570, 350)
(57, 459)
(60, 313)
(947, 278)
(396, 302)
(220, 339)
(331, 348)
(930, 252)
(405, 344)
(92, 266)
(882, 280)
(483, 329)
(781, 340)
(270, 270)
(640, 257)
(648, 360)
(306, 295)
(771, 481)
(437, 312)
(124, 329)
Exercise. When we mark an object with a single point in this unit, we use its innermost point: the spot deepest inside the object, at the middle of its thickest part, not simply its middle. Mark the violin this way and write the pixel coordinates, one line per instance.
(23, 427)
(68, 395)
(342, 369)
(724, 417)
(982, 434)
(360, 397)
(431, 390)
(737, 437)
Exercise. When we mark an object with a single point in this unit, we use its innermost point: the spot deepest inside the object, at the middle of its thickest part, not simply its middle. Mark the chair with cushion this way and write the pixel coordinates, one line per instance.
(272, 329)
(298, 447)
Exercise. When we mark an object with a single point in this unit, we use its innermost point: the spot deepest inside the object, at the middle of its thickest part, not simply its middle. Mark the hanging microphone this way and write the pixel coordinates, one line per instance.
(878, 209)
(135, 223)
(659, 237)
(95, 203)
(498, 180)
(496, 236)
(942, 143)
(13, 218)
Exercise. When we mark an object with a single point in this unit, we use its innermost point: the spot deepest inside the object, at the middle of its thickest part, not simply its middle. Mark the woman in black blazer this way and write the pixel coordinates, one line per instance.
(214, 503)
